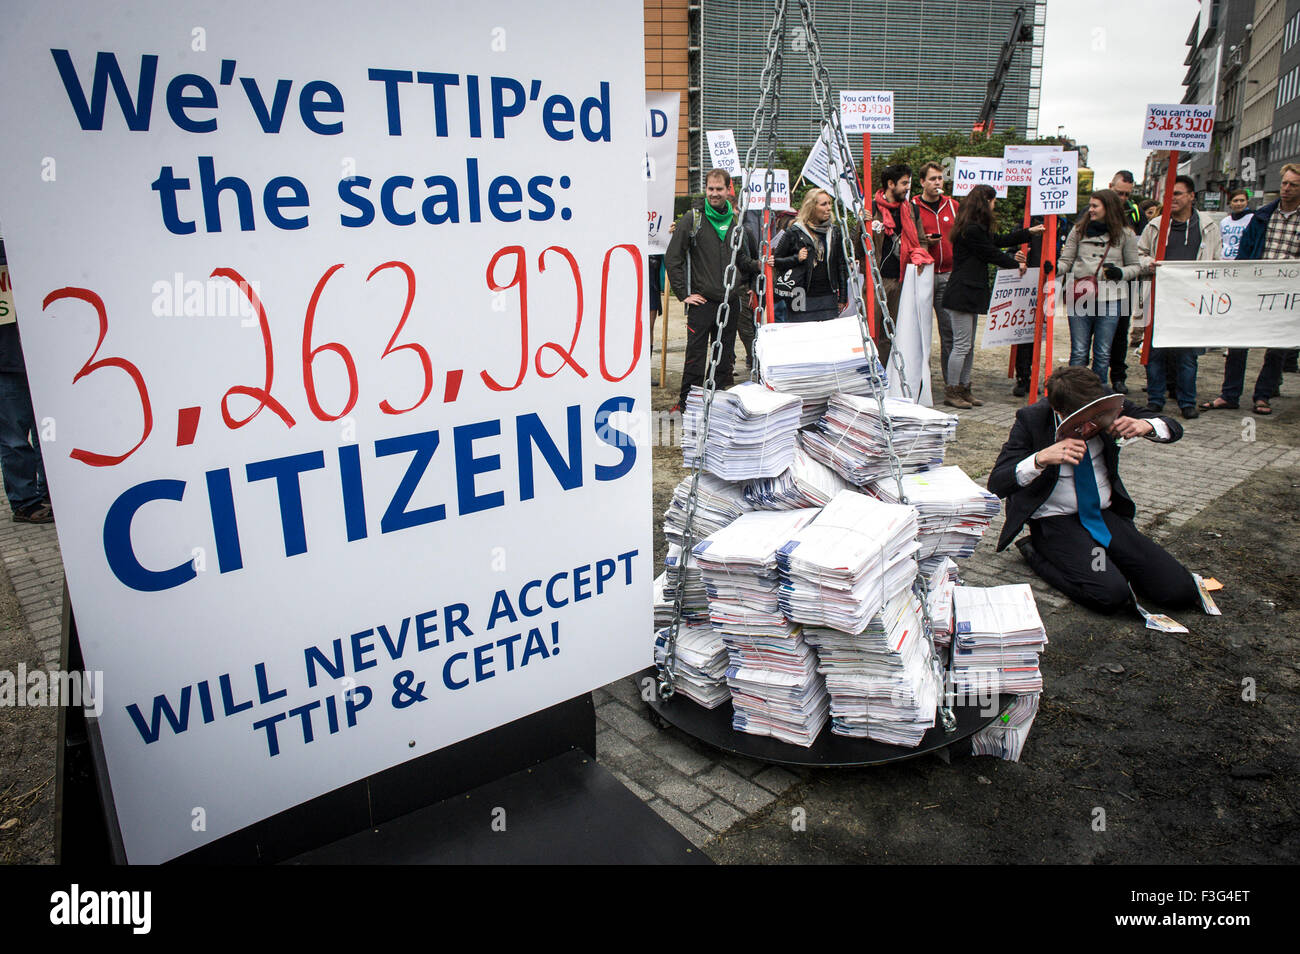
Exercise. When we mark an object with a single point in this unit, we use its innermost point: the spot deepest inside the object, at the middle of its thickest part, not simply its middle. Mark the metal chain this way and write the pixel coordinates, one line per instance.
(767, 79)
(841, 158)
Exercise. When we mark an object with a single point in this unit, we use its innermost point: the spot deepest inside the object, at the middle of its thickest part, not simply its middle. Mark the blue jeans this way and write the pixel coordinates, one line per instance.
(1184, 381)
(1094, 332)
(20, 444)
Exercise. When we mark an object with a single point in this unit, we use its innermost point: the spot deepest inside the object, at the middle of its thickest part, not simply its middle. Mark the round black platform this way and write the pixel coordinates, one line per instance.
(713, 727)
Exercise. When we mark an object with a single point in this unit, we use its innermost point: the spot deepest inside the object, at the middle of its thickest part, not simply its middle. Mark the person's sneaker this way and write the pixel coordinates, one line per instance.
(40, 512)
(1190, 412)
(1119, 387)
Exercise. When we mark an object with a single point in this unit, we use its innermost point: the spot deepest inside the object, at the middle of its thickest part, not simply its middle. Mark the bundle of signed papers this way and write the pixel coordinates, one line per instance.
(752, 432)
(814, 359)
(851, 437)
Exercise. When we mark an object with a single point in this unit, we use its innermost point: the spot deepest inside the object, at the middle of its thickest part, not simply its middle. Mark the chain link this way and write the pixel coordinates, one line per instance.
(768, 80)
(840, 158)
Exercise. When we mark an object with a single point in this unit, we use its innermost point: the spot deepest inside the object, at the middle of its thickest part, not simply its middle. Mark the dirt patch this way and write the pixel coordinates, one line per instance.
(1185, 768)
(27, 751)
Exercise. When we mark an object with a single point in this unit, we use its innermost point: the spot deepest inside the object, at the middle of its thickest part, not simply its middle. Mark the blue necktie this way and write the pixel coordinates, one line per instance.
(1085, 492)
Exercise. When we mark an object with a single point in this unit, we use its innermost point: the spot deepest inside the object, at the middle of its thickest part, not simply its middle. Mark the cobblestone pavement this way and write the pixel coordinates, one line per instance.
(702, 792)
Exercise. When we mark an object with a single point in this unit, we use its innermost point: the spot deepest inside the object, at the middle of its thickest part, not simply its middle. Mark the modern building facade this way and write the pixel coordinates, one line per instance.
(1244, 56)
(936, 55)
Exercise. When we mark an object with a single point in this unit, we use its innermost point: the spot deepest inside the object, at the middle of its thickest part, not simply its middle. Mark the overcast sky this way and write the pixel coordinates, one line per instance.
(1103, 62)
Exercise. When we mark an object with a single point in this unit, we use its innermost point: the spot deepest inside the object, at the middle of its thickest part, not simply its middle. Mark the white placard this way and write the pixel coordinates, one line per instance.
(867, 110)
(970, 171)
(1227, 304)
(1180, 126)
(722, 151)
(660, 167)
(421, 521)
(817, 167)
(1010, 320)
(7, 316)
(757, 187)
(913, 331)
(1055, 186)
(1018, 162)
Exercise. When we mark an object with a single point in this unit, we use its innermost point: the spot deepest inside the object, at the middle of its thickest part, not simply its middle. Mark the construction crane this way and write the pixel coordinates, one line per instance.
(1021, 32)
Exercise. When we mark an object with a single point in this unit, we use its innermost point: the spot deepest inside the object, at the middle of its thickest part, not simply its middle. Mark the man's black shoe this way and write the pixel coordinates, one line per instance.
(1026, 547)
(1119, 387)
(1190, 412)
(1153, 406)
(1021, 388)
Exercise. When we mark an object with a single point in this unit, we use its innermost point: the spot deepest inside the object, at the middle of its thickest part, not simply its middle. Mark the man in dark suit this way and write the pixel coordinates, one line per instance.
(1081, 534)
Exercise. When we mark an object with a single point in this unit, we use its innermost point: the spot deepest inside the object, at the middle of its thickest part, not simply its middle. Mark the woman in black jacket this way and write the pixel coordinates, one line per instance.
(975, 247)
(814, 249)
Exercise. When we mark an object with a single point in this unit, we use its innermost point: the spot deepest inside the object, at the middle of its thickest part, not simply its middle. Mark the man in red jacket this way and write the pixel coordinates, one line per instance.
(938, 212)
(897, 240)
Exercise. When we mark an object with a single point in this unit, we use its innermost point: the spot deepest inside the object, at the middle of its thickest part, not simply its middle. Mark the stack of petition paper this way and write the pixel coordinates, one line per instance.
(808, 483)
(695, 602)
(1005, 736)
(881, 682)
(999, 635)
(772, 673)
(814, 359)
(717, 503)
(840, 570)
(851, 437)
(943, 580)
(752, 432)
(953, 510)
(701, 663)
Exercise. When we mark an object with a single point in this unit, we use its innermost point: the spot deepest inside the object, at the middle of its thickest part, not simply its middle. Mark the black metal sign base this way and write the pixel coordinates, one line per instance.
(713, 727)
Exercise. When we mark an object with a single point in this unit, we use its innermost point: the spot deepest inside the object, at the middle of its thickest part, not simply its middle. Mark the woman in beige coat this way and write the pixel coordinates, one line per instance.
(1096, 268)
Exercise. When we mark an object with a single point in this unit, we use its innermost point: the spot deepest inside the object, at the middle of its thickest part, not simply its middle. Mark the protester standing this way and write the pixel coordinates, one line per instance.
(1099, 257)
(938, 215)
(813, 250)
(1122, 185)
(1192, 238)
(975, 247)
(697, 260)
(20, 442)
(896, 239)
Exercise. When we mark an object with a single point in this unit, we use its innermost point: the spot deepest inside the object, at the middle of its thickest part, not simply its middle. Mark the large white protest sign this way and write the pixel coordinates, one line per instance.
(722, 151)
(660, 166)
(970, 171)
(913, 330)
(867, 110)
(1227, 304)
(343, 337)
(1180, 126)
(1018, 162)
(1055, 186)
(1010, 320)
(757, 186)
(817, 167)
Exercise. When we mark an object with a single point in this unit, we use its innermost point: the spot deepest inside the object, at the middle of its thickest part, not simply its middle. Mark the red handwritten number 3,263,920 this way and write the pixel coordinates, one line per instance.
(260, 393)
(519, 280)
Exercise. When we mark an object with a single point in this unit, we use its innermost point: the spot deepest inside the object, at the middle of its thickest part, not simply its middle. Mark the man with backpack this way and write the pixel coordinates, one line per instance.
(697, 260)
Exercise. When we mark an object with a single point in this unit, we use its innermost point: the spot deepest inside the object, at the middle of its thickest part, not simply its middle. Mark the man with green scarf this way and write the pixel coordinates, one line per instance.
(697, 260)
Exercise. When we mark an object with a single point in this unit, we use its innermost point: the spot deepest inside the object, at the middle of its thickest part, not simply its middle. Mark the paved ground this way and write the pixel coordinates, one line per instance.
(699, 791)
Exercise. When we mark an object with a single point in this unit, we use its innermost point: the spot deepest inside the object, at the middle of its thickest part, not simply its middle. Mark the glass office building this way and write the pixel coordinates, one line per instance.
(936, 55)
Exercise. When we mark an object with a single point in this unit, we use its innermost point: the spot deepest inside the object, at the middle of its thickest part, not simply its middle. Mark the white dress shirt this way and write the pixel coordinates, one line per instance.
(1062, 499)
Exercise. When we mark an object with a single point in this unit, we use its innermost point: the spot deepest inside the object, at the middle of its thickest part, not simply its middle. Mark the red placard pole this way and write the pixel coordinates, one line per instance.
(1044, 309)
(1170, 176)
(870, 284)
